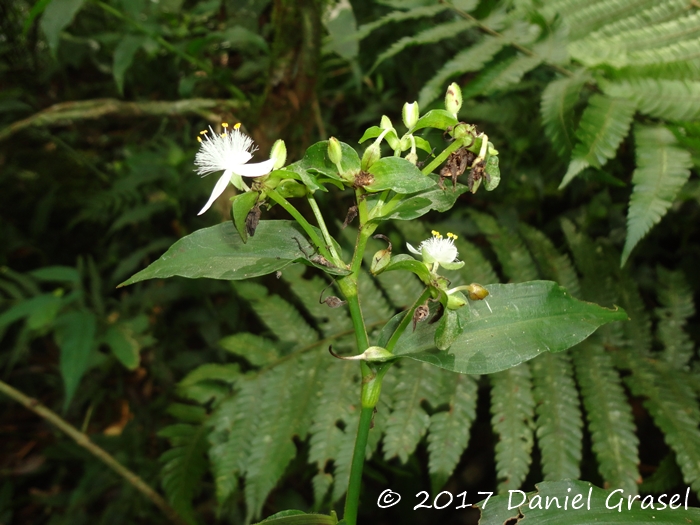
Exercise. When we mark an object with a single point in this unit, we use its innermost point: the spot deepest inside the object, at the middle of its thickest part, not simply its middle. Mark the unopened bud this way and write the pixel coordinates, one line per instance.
(335, 152)
(456, 300)
(412, 157)
(410, 114)
(461, 131)
(380, 260)
(477, 292)
(385, 123)
(453, 99)
(289, 188)
(370, 156)
(279, 153)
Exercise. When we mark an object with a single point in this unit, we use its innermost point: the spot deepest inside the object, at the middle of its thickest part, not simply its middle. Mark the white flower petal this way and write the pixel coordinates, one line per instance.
(413, 250)
(218, 190)
(255, 169)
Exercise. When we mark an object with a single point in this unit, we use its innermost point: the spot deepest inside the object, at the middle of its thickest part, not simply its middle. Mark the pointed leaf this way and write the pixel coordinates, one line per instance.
(515, 323)
(75, 336)
(395, 173)
(557, 108)
(240, 207)
(57, 16)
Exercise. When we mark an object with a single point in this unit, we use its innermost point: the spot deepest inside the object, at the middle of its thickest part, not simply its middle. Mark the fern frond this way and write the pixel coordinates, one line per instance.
(279, 316)
(604, 124)
(408, 422)
(512, 412)
(184, 465)
(233, 426)
(308, 291)
(514, 257)
(399, 16)
(672, 404)
(609, 415)
(656, 14)
(471, 59)
(558, 424)
(665, 99)
(688, 69)
(598, 14)
(662, 169)
(428, 36)
(258, 351)
(283, 410)
(552, 264)
(477, 268)
(500, 75)
(557, 108)
(375, 307)
(677, 306)
(679, 51)
(449, 430)
(637, 329)
(666, 477)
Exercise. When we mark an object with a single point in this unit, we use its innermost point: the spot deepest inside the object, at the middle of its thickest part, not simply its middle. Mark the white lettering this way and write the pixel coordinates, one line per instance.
(510, 496)
(619, 503)
(649, 505)
(548, 502)
(661, 502)
(630, 500)
(675, 497)
(535, 502)
(577, 498)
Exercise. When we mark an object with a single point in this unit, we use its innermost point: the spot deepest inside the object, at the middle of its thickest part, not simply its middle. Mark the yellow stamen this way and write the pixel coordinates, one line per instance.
(199, 139)
(451, 235)
(237, 125)
(203, 132)
(435, 233)
(224, 124)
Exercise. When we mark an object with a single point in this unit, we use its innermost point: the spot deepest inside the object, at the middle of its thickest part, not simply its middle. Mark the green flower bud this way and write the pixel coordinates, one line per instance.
(380, 260)
(453, 99)
(279, 153)
(289, 188)
(477, 292)
(335, 152)
(456, 300)
(461, 131)
(410, 114)
(370, 156)
(385, 123)
(412, 158)
(374, 354)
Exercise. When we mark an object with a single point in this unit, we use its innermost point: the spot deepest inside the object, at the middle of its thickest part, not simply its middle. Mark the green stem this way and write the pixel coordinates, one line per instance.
(442, 157)
(301, 220)
(84, 441)
(324, 230)
(406, 319)
(352, 499)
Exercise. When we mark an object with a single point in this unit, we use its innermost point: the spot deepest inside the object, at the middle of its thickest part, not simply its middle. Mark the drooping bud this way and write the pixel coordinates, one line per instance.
(380, 260)
(410, 114)
(370, 156)
(279, 153)
(453, 99)
(335, 152)
(412, 157)
(477, 292)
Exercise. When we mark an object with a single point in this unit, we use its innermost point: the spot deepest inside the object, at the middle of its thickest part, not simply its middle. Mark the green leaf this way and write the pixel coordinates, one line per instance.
(557, 109)
(418, 204)
(341, 25)
(297, 517)
(661, 98)
(316, 159)
(449, 328)
(515, 323)
(602, 508)
(57, 16)
(123, 57)
(75, 336)
(240, 208)
(257, 350)
(123, 344)
(604, 124)
(677, 306)
(56, 273)
(609, 414)
(662, 169)
(501, 75)
(436, 118)
(512, 414)
(395, 173)
(407, 263)
(219, 253)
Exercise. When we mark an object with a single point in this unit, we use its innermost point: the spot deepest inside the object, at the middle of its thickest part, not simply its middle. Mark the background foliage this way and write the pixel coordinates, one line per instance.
(593, 107)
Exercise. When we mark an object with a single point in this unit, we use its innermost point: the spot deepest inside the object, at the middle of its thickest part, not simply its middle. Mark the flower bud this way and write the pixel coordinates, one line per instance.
(477, 292)
(279, 153)
(385, 123)
(461, 131)
(370, 156)
(335, 152)
(289, 188)
(453, 99)
(380, 260)
(456, 300)
(410, 114)
(412, 157)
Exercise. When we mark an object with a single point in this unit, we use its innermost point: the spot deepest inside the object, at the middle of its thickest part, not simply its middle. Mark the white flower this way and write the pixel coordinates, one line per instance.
(229, 151)
(437, 251)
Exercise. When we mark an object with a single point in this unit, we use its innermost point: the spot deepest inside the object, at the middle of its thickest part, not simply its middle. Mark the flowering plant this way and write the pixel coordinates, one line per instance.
(491, 328)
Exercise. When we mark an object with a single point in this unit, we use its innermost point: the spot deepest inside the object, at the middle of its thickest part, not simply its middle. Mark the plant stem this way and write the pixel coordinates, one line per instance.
(406, 319)
(301, 220)
(84, 441)
(324, 230)
(442, 157)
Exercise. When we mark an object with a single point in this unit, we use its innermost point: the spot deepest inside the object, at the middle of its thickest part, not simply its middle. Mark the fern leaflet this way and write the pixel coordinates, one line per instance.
(662, 168)
(658, 13)
(501, 75)
(400, 16)
(672, 404)
(557, 108)
(676, 298)
(512, 411)
(558, 416)
(598, 14)
(604, 124)
(665, 99)
(449, 431)
(609, 415)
